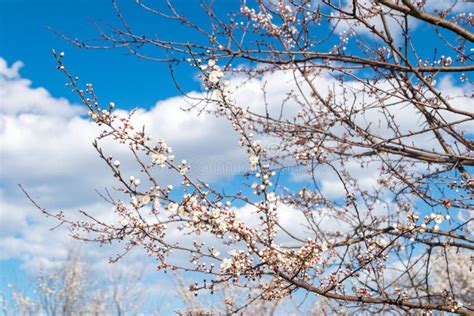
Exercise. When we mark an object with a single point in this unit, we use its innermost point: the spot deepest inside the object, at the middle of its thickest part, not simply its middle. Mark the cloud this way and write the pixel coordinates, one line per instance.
(405, 119)
(395, 23)
(10, 72)
(46, 146)
(453, 6)
(17, 97)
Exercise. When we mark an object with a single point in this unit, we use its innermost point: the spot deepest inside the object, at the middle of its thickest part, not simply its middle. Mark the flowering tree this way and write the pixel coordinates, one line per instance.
(361, 100)
(71, 289)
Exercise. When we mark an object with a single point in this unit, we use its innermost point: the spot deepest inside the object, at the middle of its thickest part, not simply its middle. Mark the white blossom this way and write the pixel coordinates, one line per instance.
(253, 162)
(438, 218)
(215, 252)
(146, 199)
(226, 264)
(271, 197)
(123, 222)
(172, 207)
(158, 159)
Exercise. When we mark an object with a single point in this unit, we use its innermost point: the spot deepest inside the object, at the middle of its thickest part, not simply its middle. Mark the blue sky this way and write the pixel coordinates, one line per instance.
(117, 76)
(130, 81)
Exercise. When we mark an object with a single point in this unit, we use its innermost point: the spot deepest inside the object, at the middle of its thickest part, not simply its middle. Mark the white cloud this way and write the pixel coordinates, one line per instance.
(46, 146)
(454, 6)
(10, 72)
(17, 97)
(395, 23)
(369, 116)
